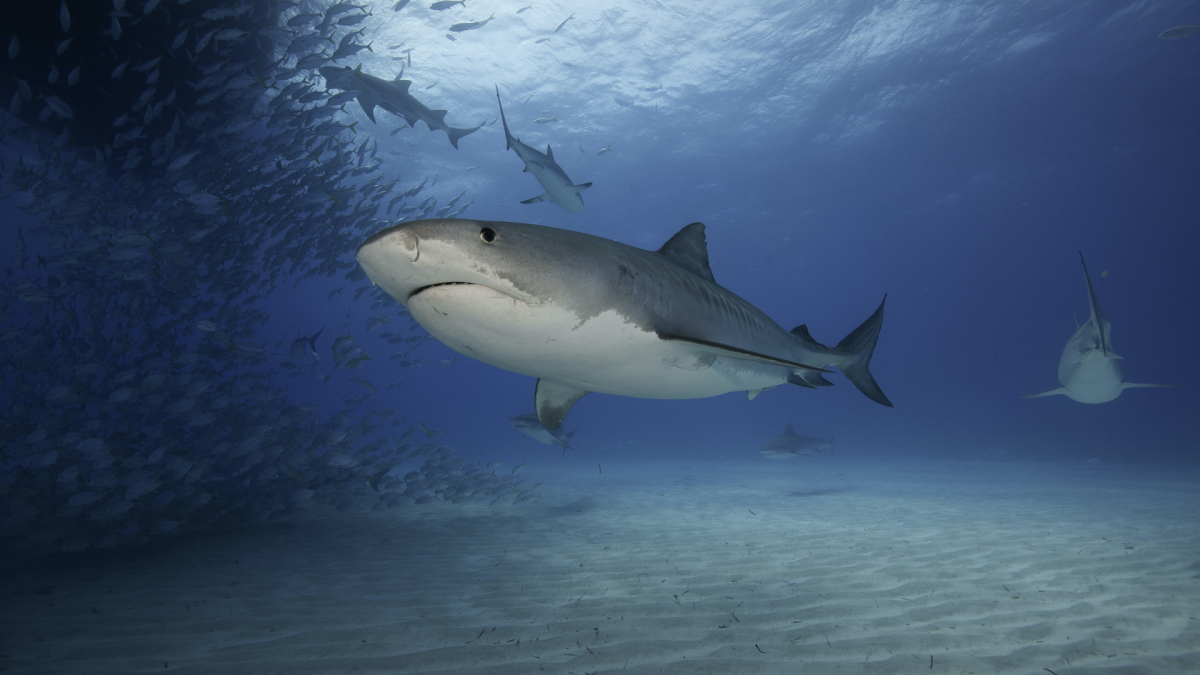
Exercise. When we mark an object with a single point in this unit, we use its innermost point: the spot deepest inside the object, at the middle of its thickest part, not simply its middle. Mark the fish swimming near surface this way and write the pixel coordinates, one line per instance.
(1089, 370)
(531, 427)
(393, 97)
(470, 25)
(582, 313)
(790, 444)
(557, 184)
(441, 5)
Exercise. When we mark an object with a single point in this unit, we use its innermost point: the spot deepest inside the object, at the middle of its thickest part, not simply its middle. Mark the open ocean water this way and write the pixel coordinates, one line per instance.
(514, 337)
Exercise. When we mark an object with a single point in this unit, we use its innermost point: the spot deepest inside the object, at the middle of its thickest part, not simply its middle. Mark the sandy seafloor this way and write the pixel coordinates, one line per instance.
(806, 566)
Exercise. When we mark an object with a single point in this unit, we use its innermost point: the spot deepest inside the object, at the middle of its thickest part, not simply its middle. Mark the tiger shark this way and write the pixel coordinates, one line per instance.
(559, 188)
(1089, 370)
(586, 314)
(393, 97)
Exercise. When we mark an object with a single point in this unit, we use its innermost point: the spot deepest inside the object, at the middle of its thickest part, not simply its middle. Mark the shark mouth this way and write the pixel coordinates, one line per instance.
(445, 283)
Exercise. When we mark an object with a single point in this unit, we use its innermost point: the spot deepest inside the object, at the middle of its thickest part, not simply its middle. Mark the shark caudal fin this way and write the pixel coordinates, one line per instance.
(858, 347)
(456, 133)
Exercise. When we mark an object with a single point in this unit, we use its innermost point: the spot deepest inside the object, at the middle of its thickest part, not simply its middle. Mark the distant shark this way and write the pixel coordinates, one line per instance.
(393, 97)
(582, 314)
(559, 188)
(1089, 370)
(790, 444)
(531, 427)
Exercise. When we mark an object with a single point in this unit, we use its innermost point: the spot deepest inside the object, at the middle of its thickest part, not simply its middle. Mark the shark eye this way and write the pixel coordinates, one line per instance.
(488, 235)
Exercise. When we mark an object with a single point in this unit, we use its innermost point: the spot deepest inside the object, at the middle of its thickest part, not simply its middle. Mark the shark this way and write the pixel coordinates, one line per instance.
(1089, 370)
(531, 427)
(392, 96)
(790, 444)
(582, 314)
(559, 188)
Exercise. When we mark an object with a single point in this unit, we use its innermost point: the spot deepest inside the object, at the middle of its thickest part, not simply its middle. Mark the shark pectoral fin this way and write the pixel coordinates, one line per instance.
(737, 353)
(544, 197)
(581, 187)
(1052, 392)
(553, 400)
(368, 107)
(1139, 385)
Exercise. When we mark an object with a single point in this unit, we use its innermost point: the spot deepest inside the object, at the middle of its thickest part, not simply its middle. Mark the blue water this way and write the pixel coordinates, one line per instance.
(955, 156)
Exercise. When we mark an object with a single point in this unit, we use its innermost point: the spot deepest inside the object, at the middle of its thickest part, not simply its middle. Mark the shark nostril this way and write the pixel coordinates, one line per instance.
(488, 235)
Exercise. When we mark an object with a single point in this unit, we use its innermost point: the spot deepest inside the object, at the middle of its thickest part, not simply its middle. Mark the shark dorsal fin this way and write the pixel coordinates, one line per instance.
(689, 250)
(789, 431)
(802, 332)
(549, 151)
(402, 85)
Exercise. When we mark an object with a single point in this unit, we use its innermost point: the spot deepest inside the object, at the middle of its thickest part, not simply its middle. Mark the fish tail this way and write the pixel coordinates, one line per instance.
(456, 133)
(858, 347)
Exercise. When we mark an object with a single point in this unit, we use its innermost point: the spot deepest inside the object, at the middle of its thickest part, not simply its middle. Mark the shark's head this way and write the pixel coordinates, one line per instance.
(418, 257)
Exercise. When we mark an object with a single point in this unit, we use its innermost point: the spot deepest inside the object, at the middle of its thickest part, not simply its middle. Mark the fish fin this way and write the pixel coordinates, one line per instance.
(368, 107)
(802, 332)
(581, 187)
(809, 379)
(1097, 318)
(456, 133)
(688, 249)
(860, 345)
(439, 115)
(752, 394)
(737, 352)
(553, 401)
(549, 151)
(1139, 385)
(789, 431)
(1052, 392)
(544, 197)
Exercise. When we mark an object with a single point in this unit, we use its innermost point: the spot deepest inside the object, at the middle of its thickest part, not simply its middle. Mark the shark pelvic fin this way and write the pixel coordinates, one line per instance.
(689, 249)
(544, 197)
(553, 401)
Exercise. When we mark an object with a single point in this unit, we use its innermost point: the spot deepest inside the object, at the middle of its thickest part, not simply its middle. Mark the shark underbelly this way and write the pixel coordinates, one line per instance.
(605, 353)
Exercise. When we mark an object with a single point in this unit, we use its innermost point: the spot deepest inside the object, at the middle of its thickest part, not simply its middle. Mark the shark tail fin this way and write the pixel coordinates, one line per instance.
(508, 137)
(859, 346)
(456, 133)
(1097, 317)
(1052, 392)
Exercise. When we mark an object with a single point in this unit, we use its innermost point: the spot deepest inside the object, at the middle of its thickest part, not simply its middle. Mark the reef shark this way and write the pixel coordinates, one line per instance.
(1089, 370)
(790, 444)
(586, 314)
(558, 186)
(531, 427)
(393, 97)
